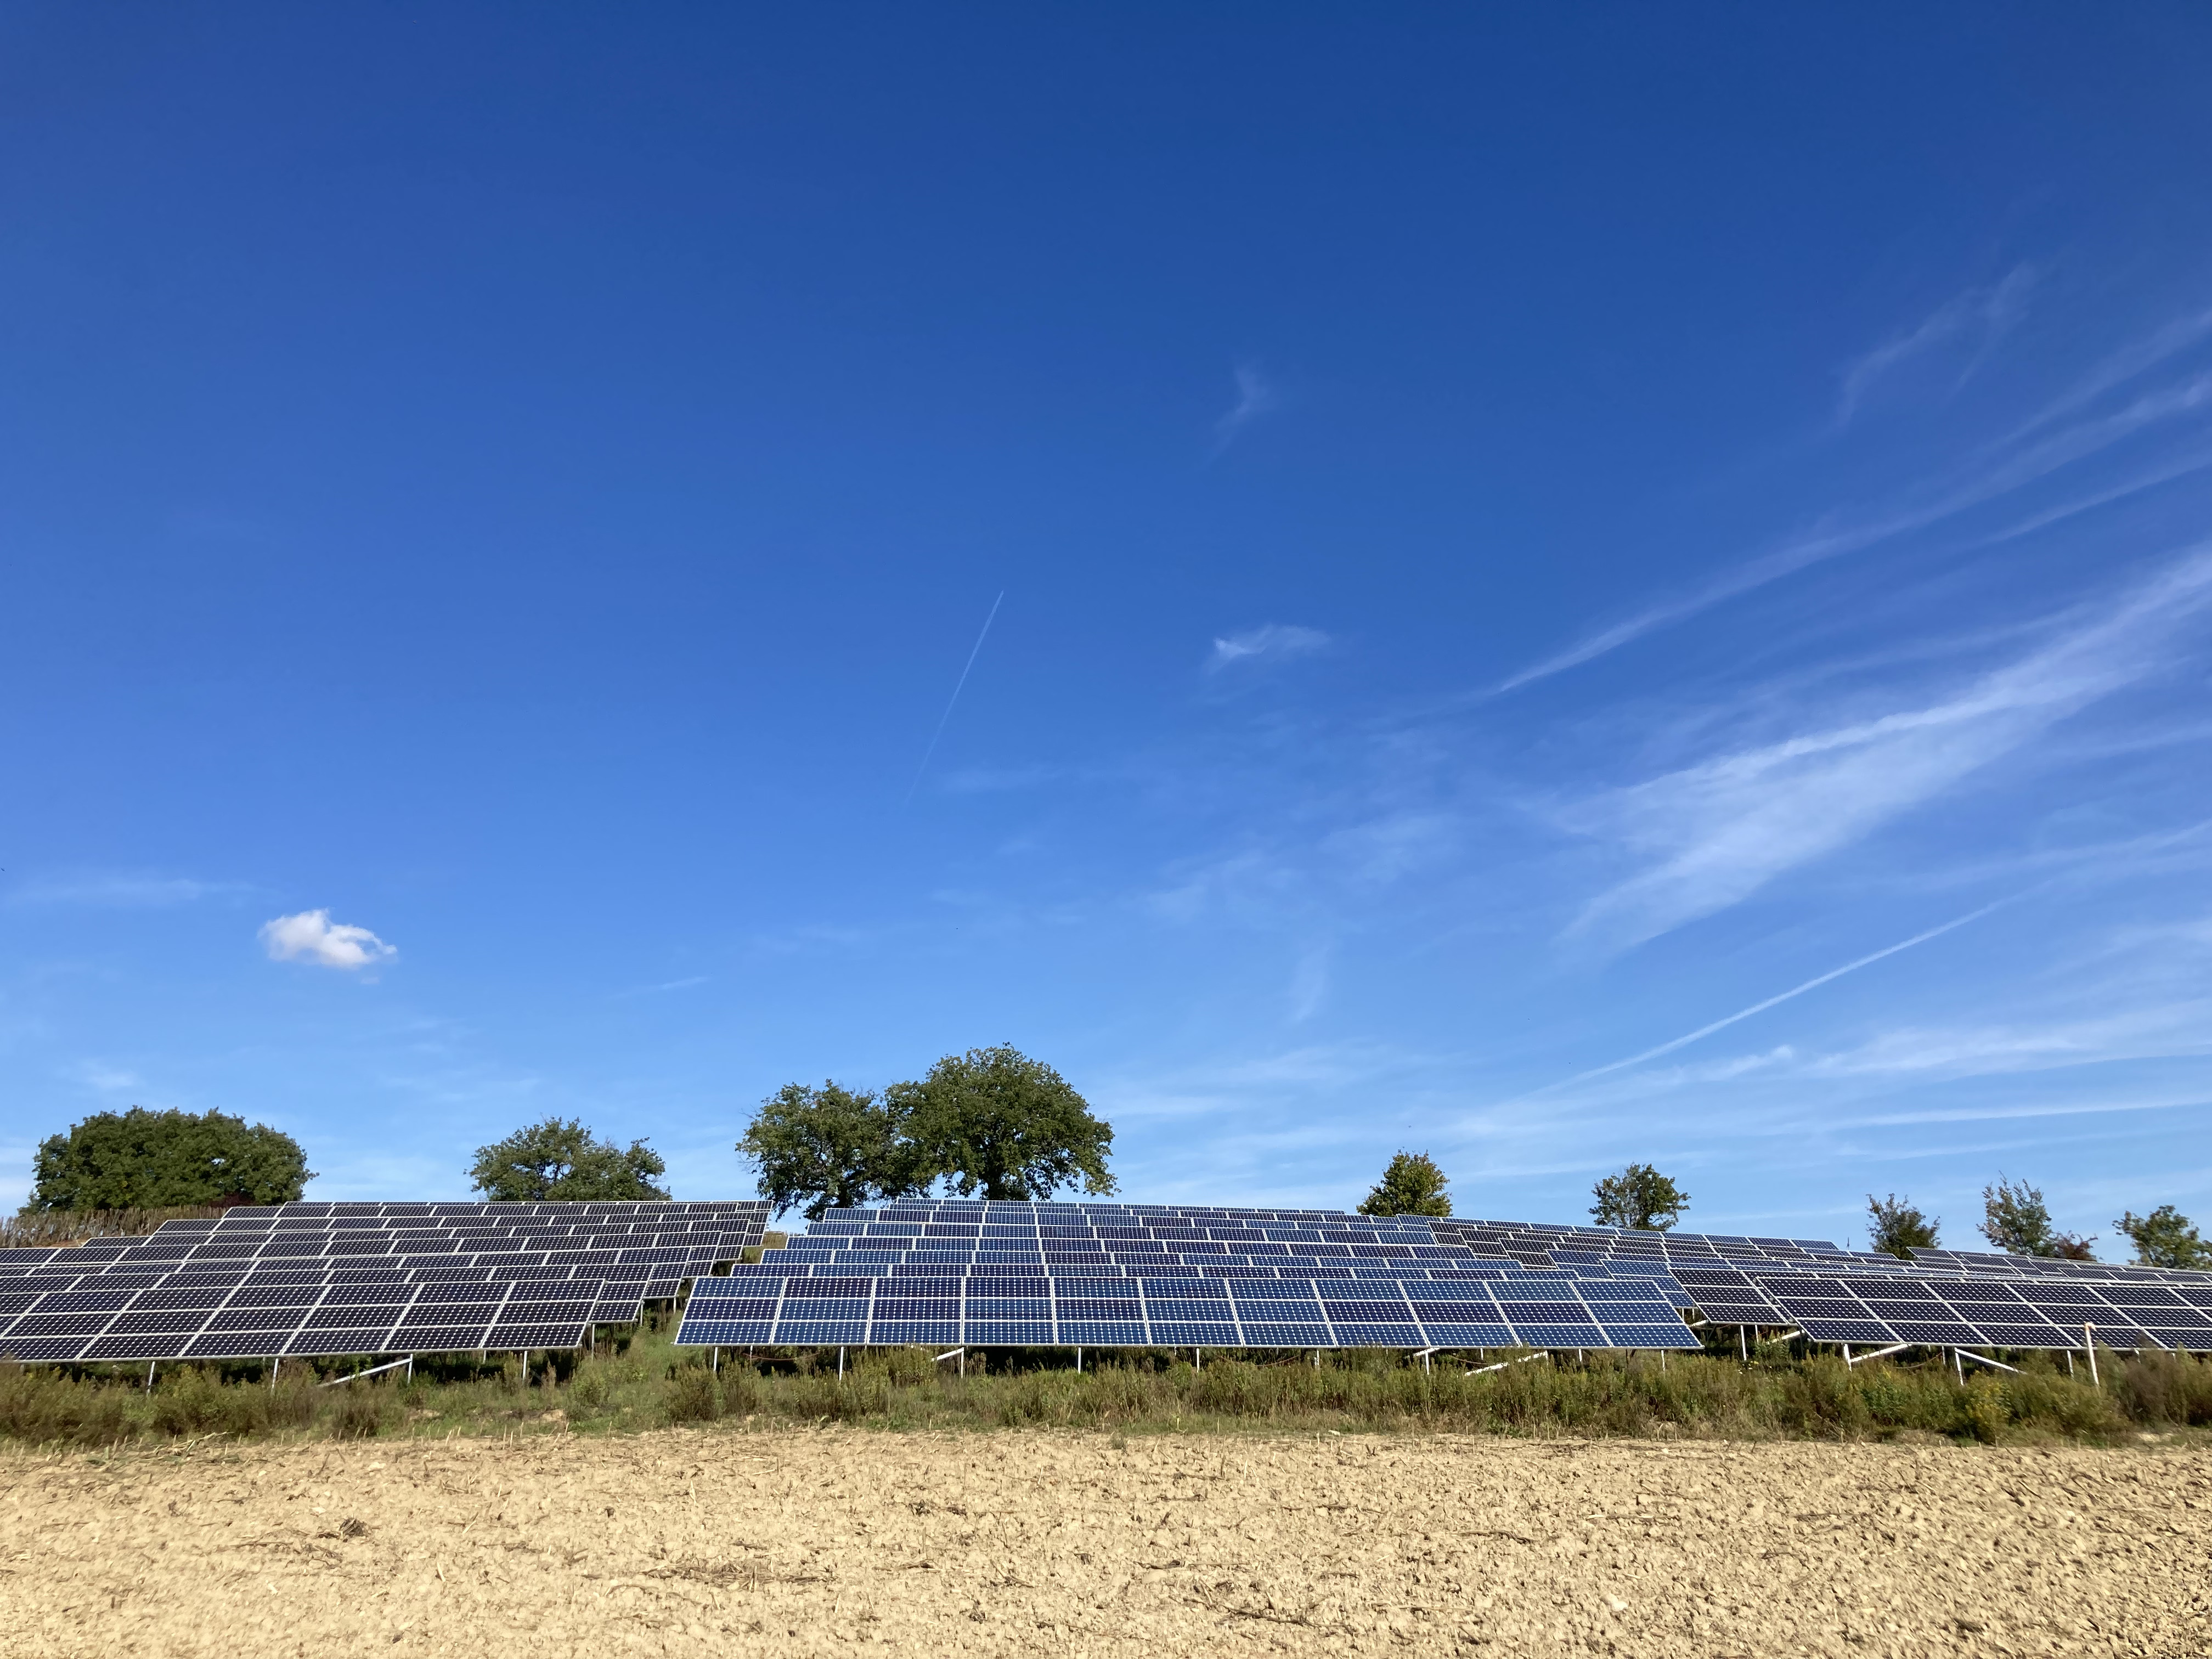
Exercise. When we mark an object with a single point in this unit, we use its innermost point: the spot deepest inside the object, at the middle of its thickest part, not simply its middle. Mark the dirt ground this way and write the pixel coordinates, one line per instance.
(1022, 1543)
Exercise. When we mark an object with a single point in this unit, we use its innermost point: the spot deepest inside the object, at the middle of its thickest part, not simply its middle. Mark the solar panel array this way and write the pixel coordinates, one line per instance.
(957, 1273)
(272, 1281)
(1939, 1298)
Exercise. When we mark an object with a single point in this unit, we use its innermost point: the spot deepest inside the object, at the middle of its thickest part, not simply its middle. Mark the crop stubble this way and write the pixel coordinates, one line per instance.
(799, 1542)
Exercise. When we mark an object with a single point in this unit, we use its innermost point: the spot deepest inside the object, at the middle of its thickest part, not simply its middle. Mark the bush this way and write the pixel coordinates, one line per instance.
(591, 1387)
(191, 1401)
(44, 1408)
(691, 1395)
(361, 1410)
(2165, 1389)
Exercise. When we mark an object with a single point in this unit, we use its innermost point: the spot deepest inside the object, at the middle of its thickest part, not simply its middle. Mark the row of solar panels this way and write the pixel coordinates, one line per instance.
(280, 1280)
(960, 1251)
(679, 1261)
(1000, 1210)
(1533, 1240)
(1079, 1224)
(1957, 1312)
(612, 1208)
(247, 1319)
(1065, 1312)
(637, 1283)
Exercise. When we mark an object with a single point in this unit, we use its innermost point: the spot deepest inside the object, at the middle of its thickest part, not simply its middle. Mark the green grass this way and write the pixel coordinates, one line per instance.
(649, 1383)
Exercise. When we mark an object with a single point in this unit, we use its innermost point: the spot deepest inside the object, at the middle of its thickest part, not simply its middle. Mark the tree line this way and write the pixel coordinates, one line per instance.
(991, 1122)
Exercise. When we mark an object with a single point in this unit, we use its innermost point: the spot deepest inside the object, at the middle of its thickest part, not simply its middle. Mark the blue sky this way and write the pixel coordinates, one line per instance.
(1513, 540)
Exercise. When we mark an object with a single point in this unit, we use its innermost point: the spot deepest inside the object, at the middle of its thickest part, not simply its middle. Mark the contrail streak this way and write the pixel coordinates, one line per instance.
(928, 753)
(1814, 983)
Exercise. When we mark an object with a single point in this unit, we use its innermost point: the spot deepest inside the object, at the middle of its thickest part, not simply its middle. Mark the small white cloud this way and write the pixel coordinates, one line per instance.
(1256, 396)
(311, 936)
(1276, 640)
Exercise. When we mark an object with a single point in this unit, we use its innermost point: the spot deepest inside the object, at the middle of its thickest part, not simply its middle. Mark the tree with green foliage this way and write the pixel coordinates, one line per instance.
(562, 1161)
(2164, 1238)
(2015, 1220)
(1898, 1228)
(1638, 1197)
(995, 1121)
(831, 1147)
(1412, 1185)
(143, 1159)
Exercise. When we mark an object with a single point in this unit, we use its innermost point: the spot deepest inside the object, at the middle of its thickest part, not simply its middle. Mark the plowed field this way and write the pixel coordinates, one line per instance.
(1024, 1543)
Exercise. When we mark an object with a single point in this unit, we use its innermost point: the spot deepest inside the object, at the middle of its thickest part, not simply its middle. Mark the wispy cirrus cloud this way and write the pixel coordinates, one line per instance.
(665, 985)
(1256, 396)
(1978, 318)
(1715, 832)
(122, 890)
(2138, 356)
(1269, 642)
(2011, 465)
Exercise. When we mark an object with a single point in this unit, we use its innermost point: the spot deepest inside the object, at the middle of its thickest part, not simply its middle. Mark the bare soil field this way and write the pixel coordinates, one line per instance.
(790, 1541)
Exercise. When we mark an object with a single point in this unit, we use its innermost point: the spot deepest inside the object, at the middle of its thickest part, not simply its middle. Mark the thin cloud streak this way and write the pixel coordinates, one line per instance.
(122, 891)
(1989, 311)
(2117, 369)
(946, 717)
(1256, 397)
(1275, 641)
(1813, 984)
(1816, 547)
(1723, 828)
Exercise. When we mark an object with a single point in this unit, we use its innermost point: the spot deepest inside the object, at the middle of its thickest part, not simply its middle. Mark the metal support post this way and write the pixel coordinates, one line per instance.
(1879, 1353)
(1743, 1342)
(2089, 1341)
(715, 1363)
(1503, 1363)
(150, 1374)
(1997, 1365)
(841, 1362)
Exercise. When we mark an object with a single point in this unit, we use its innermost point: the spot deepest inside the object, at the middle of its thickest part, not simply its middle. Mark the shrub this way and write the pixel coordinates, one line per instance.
(2165, 1389)
(360, 1410)
(40, 1407)
(591, 1387)
(691, 1395)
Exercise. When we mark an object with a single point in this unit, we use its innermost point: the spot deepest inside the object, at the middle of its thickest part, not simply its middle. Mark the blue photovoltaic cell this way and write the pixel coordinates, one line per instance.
(1193, 1334)
(898, 1332)
(1102, 1333)
(1009, 1332)
(1470, 1336)
(808, 1333)
(1671, 1336)
(1559, 1336)
(1359, 1335)
(727, 1332)
(1269, 1334)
